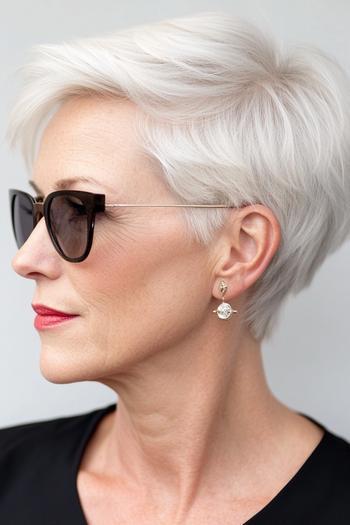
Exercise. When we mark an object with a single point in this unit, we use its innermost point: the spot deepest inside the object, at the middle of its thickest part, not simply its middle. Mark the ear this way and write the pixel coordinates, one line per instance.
(245, 248)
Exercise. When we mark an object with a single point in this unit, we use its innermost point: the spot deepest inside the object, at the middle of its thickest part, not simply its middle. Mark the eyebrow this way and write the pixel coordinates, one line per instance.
(63, 184)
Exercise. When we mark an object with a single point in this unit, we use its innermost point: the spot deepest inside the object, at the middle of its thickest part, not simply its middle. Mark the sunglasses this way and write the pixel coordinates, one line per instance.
(69, 218)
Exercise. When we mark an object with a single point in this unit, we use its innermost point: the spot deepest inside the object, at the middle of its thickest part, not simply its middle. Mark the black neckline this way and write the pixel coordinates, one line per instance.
(291, 486)
(304, 471)
(94, 417)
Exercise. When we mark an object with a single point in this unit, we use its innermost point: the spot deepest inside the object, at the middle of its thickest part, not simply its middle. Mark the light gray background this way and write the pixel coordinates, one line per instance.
(308, 361)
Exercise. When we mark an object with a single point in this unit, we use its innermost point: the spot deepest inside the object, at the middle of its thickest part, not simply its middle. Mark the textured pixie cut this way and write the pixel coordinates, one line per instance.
(232, 116)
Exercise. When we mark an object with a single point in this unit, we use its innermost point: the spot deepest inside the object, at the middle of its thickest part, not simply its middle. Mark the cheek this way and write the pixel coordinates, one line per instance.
(138, 287)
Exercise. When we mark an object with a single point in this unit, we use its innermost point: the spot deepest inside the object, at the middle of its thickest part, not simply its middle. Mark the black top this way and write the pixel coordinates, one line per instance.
(39, 465)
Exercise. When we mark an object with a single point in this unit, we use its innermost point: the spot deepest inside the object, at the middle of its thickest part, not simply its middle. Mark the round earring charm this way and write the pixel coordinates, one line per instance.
(224, 310)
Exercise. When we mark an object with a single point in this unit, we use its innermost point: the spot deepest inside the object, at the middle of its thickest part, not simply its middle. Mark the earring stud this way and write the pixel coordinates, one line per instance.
(224, 310)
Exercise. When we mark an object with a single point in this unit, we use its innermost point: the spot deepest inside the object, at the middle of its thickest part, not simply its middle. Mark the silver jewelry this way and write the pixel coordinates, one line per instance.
(224, 310)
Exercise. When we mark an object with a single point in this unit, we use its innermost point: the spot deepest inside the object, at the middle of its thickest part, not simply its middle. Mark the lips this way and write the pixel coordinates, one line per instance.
(48, 318)
(41, 309)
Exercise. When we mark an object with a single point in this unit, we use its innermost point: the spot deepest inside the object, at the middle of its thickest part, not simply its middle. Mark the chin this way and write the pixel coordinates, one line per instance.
(64, 365)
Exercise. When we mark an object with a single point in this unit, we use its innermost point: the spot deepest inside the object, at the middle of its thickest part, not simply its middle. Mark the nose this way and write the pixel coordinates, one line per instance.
(37, 256)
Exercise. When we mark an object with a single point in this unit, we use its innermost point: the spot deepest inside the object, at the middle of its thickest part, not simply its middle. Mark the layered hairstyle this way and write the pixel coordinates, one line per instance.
(232, 115)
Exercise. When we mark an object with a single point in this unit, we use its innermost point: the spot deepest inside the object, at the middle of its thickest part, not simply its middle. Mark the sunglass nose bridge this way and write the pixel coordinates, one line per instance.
(38, 212)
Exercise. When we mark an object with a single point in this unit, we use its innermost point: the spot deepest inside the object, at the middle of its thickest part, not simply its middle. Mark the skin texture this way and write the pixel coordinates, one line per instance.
(198, 437)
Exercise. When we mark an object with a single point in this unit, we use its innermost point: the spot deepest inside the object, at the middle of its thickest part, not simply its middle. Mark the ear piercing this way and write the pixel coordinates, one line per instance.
(224, 310)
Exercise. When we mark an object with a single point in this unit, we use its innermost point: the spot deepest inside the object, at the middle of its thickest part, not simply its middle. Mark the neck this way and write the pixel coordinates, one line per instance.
(198, 415)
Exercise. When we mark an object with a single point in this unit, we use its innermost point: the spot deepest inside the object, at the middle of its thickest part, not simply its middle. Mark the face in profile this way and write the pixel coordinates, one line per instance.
(134, 292)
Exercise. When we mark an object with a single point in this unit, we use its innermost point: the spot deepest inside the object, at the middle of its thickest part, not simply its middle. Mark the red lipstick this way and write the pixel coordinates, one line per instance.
(48, 317)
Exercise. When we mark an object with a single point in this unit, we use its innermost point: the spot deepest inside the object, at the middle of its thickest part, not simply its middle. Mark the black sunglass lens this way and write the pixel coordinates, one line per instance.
(22, 217)
(69, 224)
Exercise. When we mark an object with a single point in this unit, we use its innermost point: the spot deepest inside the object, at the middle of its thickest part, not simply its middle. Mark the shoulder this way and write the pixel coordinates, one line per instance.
(319, 492)
(330, 489)
(23, 440)
(32, 453)
(331, 458)
(337, 458)
(37, 467)
(39, 440)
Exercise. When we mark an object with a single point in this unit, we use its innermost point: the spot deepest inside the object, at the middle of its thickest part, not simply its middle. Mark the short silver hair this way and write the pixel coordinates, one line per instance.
(232, 116)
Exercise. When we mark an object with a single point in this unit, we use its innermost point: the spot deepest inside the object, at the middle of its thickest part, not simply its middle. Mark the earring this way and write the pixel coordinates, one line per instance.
(224, 310)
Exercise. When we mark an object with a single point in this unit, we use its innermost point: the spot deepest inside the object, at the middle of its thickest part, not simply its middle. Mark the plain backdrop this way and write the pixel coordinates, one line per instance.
(308, 361)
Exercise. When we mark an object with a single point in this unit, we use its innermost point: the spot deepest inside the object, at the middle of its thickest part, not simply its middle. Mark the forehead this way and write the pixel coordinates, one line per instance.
(91, 136)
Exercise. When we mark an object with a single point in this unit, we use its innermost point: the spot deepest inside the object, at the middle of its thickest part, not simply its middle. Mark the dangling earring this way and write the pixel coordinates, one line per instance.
(224, 310)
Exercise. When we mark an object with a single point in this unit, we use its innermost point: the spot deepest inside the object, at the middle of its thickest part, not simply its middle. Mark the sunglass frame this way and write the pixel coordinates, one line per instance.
(94, 202)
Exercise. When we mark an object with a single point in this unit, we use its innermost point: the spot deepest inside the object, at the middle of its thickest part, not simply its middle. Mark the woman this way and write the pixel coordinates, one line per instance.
(191, 176)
